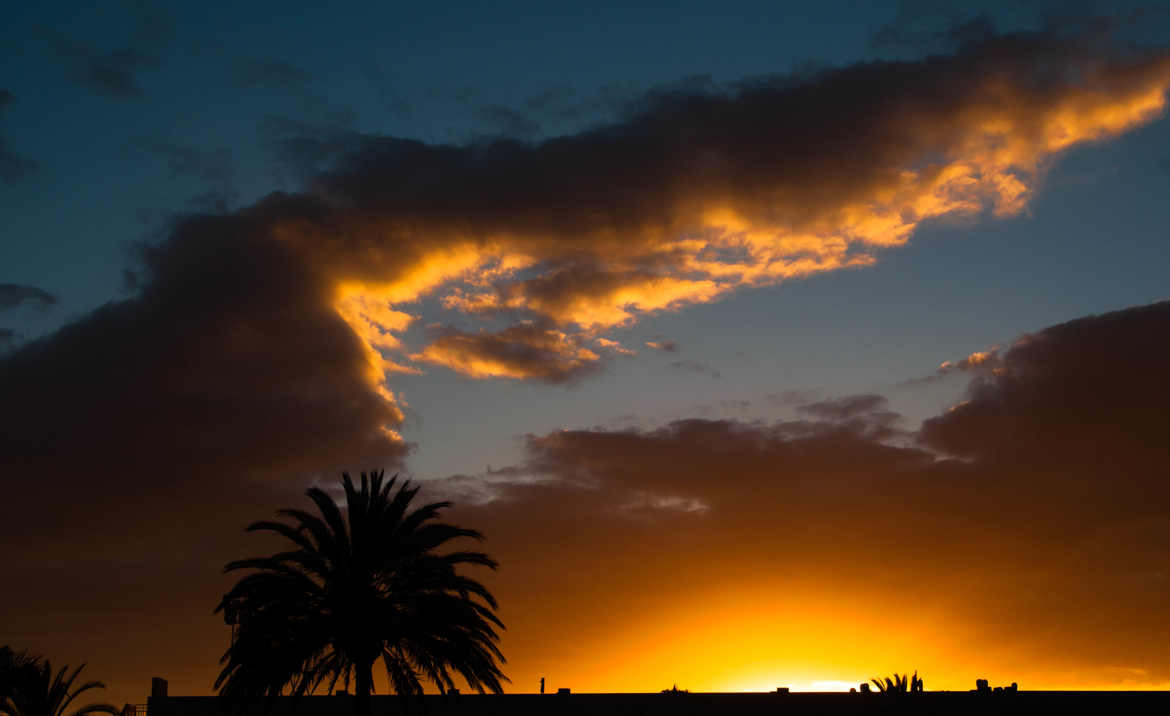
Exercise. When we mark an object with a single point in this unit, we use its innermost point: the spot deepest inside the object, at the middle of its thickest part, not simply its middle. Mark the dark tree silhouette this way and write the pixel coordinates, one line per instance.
(17, 672)
(354, 591)
(28, 687)
(12, 667)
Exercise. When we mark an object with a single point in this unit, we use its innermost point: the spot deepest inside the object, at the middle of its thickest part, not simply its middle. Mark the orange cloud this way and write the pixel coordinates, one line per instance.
(523, 350)
(668, 346)
(614, 346)
(987, 361)
(698, 196)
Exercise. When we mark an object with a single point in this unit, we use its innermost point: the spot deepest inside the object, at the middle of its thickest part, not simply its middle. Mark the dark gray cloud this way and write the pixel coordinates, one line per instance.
(933, 26)
(508, 122)
(215, 201)
(844, 408)
(666, 345)
(13, 295)
(691, 366)
(923, 27)
(383, 84)
(112, 73)
(1070, 389)
(218, 305)
(788, 398)
(13, 166)
(252, 73)
(213, 166)
(560, 108)
(552, 97)
(306, 148)
(115, 72)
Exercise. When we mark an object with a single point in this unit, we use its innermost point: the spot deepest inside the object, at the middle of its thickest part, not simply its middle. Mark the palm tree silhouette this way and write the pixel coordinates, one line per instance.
(351, 593)
(30, 688)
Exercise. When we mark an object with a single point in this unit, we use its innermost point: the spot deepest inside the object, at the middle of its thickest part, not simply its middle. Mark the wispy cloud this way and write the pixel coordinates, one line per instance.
(699, 367)
(13, 295)
(13, 166)
(115, 72)
(267, 73)
(664, 344)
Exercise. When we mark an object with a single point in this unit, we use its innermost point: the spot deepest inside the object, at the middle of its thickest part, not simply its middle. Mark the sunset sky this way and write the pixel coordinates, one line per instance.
(768, 345)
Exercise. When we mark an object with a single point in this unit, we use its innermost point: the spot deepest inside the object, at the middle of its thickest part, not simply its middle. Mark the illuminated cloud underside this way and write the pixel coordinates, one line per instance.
(722, 217)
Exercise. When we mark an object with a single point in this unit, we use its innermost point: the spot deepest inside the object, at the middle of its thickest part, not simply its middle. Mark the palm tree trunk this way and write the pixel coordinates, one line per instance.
(363, 688)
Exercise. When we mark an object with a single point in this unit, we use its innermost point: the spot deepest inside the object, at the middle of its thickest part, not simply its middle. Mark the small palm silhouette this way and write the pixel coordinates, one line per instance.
(899, 684)
(28, 687)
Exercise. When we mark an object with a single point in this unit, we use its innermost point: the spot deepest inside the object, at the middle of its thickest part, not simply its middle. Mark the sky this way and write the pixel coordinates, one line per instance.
(768, 344)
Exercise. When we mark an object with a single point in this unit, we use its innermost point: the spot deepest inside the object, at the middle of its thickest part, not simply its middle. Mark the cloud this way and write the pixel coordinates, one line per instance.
(788, 398)
(508, 122)
(523, 350)
(930, 26)
(848, 408)
(13, 295)
(212, 166)
(378, 78)
(1077, 385)
(987, 361)
(695, 367)
(307, 147)
(253, 73)
(683, 202)
(214, 201)
(13, 167)
(112, 73)
(551, 97)
(615, 347)
(228, 355)
(665, 345)
(562, 104)
(1043, 549)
